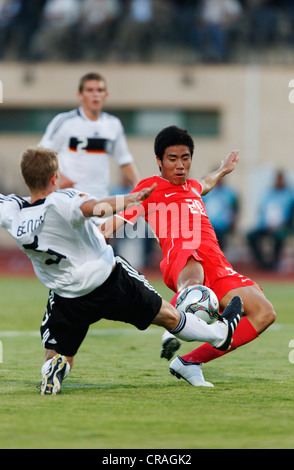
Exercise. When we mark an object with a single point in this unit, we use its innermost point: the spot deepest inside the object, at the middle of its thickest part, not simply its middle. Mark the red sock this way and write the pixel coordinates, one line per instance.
(174, 299)
(244, 333)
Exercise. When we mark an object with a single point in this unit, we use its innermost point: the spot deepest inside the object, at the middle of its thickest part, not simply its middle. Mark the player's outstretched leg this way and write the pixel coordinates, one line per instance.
(170, 344)
(51, 382)
(218, 334)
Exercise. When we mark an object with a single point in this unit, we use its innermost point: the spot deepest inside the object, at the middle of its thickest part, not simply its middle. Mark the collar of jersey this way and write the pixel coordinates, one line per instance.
(83, 115)
(39, 202)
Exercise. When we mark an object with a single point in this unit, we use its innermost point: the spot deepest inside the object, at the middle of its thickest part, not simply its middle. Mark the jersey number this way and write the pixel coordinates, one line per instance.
(82, 144)
(57, 256)
(195, 206)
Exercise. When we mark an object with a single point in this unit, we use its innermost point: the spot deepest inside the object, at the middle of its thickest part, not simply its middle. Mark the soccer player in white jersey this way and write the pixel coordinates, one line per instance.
(85, 138)
(86, 281)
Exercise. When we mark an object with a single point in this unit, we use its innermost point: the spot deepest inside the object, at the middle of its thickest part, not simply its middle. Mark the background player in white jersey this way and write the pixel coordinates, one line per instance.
(70, 257)
(86, 137)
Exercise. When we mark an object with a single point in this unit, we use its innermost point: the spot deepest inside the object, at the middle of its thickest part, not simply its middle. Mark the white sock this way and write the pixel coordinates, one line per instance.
(193, 328)
(45, 367)
(166, 335)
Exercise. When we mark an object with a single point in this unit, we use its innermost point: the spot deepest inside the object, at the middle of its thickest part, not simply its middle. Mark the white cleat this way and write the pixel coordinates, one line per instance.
(190, 371)
(170, 344)
(51, 383)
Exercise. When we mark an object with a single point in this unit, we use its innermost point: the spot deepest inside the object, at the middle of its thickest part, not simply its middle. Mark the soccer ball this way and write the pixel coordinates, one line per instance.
(199, 300)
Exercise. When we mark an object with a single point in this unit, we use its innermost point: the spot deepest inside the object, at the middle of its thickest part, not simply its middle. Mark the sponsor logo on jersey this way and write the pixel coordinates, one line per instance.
(90, 145)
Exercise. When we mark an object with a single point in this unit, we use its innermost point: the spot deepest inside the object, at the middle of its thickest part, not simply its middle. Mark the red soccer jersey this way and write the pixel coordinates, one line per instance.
(178, 218)
(176, 215)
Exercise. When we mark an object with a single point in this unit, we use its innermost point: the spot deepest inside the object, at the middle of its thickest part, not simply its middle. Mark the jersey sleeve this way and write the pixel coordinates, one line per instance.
(68, 202)
(198, 186)
(2, 199)
(76, 215)
(9, 209)
(121, 153)
(54, 136)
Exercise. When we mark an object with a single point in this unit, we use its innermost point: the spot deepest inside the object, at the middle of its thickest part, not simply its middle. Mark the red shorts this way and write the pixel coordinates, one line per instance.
(219, 275)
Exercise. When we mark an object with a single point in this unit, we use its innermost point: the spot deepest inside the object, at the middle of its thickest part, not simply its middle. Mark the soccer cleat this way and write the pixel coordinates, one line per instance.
(190, 371)
(231, 316)
(170, 344)
(51, 383)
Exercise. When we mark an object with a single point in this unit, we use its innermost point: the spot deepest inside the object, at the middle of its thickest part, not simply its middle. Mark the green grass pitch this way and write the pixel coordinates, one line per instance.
(120, 394)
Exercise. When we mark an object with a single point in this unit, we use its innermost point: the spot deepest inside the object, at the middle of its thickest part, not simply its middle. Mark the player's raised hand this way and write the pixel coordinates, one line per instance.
(230, 162)
(138, 197)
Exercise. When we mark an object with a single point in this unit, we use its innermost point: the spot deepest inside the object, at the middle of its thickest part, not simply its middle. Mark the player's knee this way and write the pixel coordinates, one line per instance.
(191, 281)
(190, 275)
(267, 314)
(271, 315)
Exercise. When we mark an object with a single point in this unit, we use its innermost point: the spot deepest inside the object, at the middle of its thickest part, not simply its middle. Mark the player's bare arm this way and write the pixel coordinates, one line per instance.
(112, 204)
(227, 166)
(131, 172)
(65, 182)
(111, 225)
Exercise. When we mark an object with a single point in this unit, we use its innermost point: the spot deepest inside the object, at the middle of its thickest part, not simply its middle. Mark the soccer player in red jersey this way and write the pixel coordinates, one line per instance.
(191, 253)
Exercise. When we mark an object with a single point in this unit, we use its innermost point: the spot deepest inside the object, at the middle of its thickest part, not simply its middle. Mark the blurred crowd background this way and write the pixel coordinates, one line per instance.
(202, 31)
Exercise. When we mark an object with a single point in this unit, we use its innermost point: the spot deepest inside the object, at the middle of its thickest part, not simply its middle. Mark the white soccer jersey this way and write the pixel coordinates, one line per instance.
(84, 148)
(69, 254)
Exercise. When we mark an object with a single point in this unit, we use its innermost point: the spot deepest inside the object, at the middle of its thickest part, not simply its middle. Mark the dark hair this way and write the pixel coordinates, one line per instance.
(90, 76)
(169, 136)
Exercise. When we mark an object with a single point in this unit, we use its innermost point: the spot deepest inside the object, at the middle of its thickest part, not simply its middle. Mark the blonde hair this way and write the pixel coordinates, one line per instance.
(38, 165)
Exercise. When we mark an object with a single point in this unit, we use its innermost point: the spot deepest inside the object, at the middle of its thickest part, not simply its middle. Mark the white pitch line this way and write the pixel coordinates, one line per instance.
(107, 332)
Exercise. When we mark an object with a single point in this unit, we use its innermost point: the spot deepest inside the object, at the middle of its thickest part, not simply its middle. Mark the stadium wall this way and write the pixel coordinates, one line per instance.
(256, 115)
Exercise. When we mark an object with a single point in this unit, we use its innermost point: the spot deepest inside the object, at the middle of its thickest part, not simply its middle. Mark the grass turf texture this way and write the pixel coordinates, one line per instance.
(120, 394)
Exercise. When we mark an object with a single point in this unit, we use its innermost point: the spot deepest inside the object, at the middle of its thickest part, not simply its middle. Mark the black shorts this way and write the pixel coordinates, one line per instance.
(125, 296)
